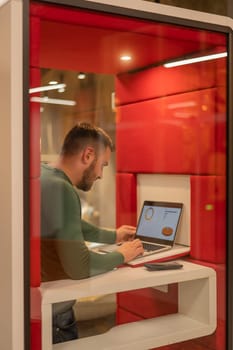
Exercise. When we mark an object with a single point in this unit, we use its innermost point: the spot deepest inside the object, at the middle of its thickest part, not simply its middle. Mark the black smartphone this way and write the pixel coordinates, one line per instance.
(163, 266)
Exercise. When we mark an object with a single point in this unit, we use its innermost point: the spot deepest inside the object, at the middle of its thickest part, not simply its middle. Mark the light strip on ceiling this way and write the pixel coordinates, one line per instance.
(56, 101)
(195, 60)
(126, 58)
(47, 88)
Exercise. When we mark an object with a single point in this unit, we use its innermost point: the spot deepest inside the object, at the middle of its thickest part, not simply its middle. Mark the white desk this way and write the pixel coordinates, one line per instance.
(196, 315)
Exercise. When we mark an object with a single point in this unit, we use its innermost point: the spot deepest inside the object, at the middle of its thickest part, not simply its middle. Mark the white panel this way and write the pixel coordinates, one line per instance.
(171, 188)
(167, 10)
(189, 323)
(11, 185)
(5, 183)
(17, 173)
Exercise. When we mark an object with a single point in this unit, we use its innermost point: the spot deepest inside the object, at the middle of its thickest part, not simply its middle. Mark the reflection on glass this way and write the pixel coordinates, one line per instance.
(163, 121)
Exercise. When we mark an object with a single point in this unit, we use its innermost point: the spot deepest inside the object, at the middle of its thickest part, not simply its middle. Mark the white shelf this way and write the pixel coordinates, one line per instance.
(141, 335)
(196, 315)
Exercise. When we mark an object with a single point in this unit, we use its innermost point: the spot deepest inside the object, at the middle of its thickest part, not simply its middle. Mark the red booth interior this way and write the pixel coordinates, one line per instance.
(169, 121)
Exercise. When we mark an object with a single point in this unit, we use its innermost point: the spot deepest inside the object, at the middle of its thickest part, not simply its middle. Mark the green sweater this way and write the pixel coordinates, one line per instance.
(64, 253)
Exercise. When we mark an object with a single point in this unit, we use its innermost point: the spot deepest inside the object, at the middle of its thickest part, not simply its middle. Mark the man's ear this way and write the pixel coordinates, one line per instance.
(88, 155)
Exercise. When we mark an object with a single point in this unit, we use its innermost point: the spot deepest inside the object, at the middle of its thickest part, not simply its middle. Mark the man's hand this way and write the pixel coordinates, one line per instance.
(131, 250)
(125, 233)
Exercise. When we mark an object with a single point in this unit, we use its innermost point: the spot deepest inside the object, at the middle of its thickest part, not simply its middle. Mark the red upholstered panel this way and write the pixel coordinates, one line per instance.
(220, 130)
(106, 44)
(126, 201)
(124, 316)
(122, 23)
(34, 127)
(108, 36)
(208, 218)
(35, 324)
(35, 231)
(174, 134)
(149, 302)
(35, 335)
(160, 81)
(35, 307)
(35, 41)
(221, 76)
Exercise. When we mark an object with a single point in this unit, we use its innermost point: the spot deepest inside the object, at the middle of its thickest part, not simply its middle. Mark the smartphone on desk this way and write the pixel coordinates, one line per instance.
(163, 266)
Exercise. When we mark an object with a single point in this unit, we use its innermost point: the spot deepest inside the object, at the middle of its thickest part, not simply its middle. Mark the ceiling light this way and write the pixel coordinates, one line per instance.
(125, 58)
(182, 105)
(53, 82)
(195, 60)
(56, 101)
(47, 88)
(81, 75)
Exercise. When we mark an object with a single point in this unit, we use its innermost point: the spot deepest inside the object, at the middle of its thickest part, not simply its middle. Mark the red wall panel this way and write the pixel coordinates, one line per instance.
(34, 181)
(208, 218)
(174, 134)
(35, 41)
(125, 316)
(221, 77)
(149, 302)
(34, 125)
(35, 307)
(220, 130)
(107, 36)
(126, 199)
(35, 339)
(34, 168)
(161, 81)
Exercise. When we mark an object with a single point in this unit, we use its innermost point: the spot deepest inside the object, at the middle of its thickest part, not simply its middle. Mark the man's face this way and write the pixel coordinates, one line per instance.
(95, 170)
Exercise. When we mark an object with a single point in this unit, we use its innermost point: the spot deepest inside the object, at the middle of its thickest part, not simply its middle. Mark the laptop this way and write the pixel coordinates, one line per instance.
(157, 226)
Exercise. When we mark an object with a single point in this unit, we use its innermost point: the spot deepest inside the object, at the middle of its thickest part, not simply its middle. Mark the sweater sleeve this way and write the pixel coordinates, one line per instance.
(78, 262)
(64, 225)
(94, 234)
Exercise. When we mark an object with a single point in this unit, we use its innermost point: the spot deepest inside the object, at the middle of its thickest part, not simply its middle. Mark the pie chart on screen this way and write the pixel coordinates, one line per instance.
(167, 231)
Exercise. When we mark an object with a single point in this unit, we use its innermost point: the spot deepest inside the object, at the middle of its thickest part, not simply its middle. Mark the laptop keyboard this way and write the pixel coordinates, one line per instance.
(151, 247)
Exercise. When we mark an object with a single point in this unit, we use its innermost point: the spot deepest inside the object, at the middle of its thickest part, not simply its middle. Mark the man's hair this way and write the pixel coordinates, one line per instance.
(84, 134)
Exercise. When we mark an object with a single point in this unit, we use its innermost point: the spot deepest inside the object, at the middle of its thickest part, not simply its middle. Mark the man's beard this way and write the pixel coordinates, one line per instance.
(88, 178)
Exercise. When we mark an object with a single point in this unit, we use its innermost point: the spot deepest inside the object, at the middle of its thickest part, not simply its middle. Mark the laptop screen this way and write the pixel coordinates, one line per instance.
(159, 221)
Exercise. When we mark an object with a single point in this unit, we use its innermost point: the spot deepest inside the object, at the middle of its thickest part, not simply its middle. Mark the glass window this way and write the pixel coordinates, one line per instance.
(159, 91)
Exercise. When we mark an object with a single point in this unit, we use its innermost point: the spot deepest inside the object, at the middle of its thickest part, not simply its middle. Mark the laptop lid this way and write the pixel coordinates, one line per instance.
(158, 222)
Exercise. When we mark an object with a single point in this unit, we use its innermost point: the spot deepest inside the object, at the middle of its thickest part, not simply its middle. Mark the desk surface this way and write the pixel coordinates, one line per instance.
(118, 280)
(194, 319)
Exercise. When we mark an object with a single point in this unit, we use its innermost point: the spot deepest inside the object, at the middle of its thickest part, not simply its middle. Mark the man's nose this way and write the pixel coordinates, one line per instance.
(100, 176)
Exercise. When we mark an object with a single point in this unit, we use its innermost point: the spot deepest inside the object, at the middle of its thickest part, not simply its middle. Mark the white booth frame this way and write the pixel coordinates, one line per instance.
(14, 143)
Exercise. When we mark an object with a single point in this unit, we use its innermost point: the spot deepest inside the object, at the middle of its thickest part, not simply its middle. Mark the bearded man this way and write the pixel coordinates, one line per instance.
(85, 152)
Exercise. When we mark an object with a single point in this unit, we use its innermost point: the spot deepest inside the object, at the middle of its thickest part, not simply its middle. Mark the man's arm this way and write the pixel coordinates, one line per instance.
(78, 262)
(69, 233)
(92, 233)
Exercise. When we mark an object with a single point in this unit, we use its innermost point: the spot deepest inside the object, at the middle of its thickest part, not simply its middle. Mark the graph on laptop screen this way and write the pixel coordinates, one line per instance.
(159, 220)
